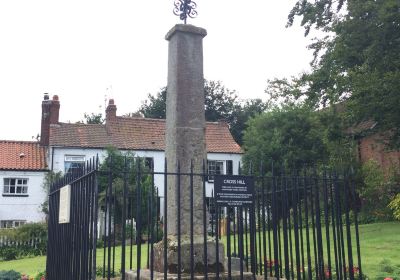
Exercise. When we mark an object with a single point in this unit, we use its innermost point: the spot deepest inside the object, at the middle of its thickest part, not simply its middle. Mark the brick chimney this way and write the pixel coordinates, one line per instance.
(111, 112)
(50, 114)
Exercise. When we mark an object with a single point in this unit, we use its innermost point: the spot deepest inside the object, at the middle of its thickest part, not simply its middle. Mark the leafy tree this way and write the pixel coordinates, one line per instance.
(93, 118)
(358, 61)
(354, 77)
(289, 137)
(242, 113)
(318, 14)
(123, 168)
(378, 192)
(221, 104)
(333, 123)
(155, 106)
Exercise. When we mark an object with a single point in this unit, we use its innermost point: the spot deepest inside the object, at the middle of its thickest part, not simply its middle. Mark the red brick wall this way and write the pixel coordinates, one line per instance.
(372, 147)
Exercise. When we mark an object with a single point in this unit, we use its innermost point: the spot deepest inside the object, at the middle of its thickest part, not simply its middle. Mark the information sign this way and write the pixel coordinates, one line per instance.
(231, 190)
(65, 205)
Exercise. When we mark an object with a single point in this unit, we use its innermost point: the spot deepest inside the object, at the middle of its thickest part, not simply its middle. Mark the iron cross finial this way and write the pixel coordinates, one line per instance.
(184, 9)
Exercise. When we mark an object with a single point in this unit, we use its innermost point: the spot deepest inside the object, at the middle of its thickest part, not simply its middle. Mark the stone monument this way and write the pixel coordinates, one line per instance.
(185, 147)
(185, 143)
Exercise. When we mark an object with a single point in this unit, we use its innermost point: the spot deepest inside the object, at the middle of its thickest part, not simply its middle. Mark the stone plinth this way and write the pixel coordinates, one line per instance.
(198, 252)
(145, 275)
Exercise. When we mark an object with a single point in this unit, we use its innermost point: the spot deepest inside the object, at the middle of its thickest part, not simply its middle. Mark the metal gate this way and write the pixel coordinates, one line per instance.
(299, 225)
(71, 248)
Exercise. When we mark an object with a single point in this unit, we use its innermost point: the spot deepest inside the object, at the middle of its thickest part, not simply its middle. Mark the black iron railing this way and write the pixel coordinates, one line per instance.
(300, 225)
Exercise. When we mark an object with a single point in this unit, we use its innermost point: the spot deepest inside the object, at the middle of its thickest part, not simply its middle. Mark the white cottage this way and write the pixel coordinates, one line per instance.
(70, 145)
(65, 146)
(22, 170)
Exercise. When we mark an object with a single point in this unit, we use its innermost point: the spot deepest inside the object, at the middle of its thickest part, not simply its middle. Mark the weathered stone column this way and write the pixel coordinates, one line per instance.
(185, 143)
(185, 124)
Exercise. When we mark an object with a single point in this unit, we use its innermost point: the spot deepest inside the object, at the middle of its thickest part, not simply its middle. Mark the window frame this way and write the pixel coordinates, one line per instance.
(212, 172)
(149, 163)
(13, 223)
(72, 160)
(22, 186)
(229, 167)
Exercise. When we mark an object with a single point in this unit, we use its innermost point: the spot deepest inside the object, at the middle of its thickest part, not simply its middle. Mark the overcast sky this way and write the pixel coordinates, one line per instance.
(88, 50)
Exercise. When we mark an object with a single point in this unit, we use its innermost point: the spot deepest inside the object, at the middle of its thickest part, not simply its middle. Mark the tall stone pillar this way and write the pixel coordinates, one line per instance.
(185, 124)
(185, 143)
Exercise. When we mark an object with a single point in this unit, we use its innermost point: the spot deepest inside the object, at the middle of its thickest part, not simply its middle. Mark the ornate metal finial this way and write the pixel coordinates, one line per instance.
(184, 9)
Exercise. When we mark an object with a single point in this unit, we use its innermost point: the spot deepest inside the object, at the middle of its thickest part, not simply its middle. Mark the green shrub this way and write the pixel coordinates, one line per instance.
(99, 271)
(388, 270)
(8, 253)
(27, 240)
(9, 275)
(378, 189)
(40, 275)
(29, 231)
(8, 232)
(395, 206)
(99, 243)
(160, 235)
(128, 232)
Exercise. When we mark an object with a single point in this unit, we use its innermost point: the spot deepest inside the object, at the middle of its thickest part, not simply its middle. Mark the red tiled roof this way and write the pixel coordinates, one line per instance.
(79, 135)
(21, 155)
(135, 133)
(138, 133)
(219, 139)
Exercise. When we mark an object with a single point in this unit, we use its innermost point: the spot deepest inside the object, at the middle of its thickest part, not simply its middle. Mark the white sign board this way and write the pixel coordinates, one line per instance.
(65, 205)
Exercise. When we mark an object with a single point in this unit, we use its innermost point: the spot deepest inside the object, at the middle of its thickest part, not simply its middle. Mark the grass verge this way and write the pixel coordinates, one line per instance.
(378, 242)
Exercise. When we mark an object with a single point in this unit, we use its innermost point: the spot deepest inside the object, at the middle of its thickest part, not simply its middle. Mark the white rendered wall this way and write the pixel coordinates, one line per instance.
(60, 153)
(158, 159)
(23, 207)
(57, 156)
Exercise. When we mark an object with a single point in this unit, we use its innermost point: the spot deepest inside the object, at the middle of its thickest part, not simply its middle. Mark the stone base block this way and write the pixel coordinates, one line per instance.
(198, 249)
(145, 275)
(235, 264)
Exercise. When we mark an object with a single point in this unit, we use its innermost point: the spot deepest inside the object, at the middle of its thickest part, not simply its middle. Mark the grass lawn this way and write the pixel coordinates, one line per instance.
(30, 266)
(378, 241)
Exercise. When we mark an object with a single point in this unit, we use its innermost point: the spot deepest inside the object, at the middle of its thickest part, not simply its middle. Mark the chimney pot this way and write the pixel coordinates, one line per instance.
(50, 114)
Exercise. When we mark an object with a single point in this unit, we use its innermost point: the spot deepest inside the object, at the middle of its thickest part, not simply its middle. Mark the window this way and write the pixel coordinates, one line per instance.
(215, 167)
(229, 167)
(15, 186)
(11, 224)
(73, 162)
(149, 163)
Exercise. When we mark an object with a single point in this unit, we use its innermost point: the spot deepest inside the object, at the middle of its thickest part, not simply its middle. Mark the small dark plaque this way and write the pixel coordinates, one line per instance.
(233, 190)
